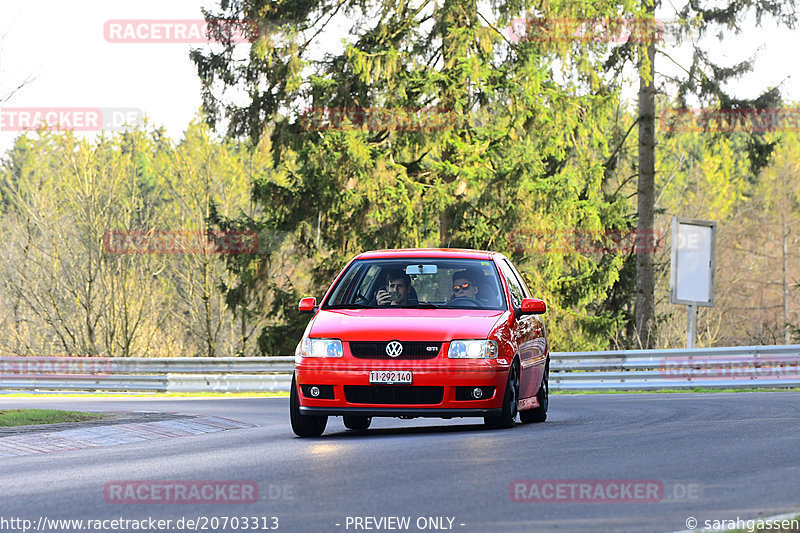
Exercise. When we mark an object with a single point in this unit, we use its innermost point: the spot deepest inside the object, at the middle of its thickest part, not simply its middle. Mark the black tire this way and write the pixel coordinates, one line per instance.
(539, 414)
(509, 414)
(357, 423)
(304, 425)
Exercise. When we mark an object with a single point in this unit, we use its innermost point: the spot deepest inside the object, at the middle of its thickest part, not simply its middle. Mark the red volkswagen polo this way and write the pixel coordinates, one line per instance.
(422, 333)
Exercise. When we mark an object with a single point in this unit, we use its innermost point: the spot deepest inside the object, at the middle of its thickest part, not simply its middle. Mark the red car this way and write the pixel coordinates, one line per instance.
(422, 333)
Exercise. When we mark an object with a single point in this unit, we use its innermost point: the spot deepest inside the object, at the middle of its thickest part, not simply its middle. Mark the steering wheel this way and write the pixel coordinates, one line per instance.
(463, 301)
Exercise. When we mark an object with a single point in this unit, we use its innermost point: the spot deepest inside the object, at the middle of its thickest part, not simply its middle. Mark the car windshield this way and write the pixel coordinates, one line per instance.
(418, 282)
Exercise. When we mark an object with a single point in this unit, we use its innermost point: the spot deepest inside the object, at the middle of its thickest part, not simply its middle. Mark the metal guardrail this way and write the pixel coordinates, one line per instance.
(738, 367)
(174, 374)
(734, 367)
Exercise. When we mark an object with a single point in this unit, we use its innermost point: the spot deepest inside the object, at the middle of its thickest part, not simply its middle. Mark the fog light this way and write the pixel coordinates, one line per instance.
(314, 391)
(477, 393)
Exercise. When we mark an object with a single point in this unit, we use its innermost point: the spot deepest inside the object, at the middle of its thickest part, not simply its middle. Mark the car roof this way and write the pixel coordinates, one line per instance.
(458, 253)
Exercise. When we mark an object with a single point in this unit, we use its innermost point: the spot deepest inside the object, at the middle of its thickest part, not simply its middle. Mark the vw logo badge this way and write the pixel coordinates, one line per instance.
(394, 348)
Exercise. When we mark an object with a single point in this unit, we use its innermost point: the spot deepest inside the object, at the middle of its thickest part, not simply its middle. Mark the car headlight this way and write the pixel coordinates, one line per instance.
(472, 349)
(321, 348)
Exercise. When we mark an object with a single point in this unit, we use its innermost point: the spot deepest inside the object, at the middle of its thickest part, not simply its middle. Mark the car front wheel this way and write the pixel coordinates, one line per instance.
(304, 425)
(509, 414)
(357, 423)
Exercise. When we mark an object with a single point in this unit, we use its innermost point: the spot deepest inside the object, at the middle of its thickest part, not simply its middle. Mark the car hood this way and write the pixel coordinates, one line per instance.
(404, 324)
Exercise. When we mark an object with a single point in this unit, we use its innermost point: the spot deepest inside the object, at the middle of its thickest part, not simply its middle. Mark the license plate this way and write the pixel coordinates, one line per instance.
(389, 377)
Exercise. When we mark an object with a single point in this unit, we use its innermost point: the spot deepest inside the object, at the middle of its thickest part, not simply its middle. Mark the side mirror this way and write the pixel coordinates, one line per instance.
(307, 305)
(532, 306)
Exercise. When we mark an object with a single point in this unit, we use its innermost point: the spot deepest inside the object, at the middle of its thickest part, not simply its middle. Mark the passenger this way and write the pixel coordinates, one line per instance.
(465, 285)
(397, 291)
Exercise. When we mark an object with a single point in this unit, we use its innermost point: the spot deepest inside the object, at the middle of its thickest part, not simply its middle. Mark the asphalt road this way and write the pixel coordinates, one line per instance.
(713, 457)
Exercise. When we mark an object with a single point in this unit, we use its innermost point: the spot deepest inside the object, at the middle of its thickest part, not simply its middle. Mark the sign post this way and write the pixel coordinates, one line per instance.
(691, 325)
(692, 268)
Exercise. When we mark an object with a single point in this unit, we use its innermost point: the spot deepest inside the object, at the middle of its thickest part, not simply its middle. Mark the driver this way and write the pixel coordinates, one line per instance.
(398, 287)
(465, 285)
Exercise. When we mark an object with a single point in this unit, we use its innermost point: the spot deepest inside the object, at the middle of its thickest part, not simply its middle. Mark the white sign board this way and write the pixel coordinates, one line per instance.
(692, 272)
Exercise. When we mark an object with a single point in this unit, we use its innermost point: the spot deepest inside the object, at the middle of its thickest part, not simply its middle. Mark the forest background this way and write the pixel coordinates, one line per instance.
(445, 132)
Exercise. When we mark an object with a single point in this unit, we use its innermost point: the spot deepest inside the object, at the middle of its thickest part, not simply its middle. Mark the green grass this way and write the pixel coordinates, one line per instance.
(30, 417)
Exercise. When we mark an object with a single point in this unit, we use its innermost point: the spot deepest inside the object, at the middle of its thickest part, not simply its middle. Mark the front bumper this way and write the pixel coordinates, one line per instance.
(450, 377)
(401, 412)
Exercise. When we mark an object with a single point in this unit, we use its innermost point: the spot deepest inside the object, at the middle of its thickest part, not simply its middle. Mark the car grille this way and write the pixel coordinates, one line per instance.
(411, 350)
(393, 394)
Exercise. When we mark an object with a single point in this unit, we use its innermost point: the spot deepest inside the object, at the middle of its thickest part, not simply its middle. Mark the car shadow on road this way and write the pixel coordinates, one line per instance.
(342, 433)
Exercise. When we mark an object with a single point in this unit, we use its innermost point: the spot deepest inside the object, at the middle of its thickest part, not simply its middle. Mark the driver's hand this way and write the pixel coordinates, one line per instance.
(384, 297)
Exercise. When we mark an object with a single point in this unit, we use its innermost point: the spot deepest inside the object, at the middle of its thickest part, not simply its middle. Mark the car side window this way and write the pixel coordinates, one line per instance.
(368, 282)
(352, 286)
(525, 291)
(514, 285)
